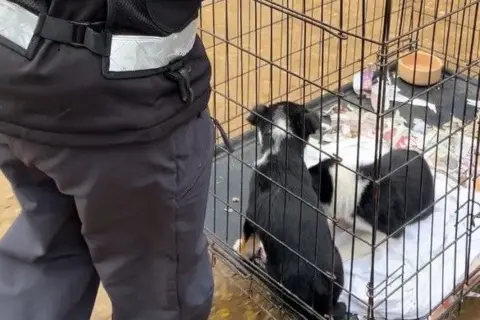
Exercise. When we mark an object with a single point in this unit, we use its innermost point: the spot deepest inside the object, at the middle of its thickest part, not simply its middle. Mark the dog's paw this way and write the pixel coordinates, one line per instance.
(331, 226)
(237, 245)
(261, 253)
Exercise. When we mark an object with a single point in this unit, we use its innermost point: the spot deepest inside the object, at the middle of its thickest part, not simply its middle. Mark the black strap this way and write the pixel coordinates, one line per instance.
(75, 33)
(225, 139)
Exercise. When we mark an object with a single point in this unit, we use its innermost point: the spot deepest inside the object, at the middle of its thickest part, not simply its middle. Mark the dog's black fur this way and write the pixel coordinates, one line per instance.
(287, 218)
(406, 196)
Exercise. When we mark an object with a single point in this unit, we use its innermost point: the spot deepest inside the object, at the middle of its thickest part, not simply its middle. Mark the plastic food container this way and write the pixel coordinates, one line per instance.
(424, 65)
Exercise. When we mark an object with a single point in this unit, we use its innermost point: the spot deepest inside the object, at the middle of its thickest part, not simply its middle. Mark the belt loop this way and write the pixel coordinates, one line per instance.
(36, 39)
(41, 22)
(79, 32)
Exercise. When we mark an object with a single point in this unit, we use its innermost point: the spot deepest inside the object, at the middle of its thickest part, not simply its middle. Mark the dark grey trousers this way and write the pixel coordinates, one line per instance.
(130, 216)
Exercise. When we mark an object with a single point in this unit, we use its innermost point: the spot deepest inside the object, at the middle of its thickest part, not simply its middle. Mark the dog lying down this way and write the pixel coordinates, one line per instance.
(405, 196)
(276, 214)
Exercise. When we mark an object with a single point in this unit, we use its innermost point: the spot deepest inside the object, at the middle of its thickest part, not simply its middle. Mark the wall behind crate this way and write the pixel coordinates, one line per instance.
(260, 54)
(455, 37)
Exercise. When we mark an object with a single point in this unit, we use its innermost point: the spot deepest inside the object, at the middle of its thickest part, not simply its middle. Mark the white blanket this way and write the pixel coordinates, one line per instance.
(438, 233)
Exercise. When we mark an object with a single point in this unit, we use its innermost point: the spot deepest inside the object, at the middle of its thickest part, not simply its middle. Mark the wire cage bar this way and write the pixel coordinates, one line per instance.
(341, 59)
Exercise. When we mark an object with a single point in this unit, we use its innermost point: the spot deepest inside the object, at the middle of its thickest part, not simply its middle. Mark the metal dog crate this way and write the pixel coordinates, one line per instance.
(309, 51)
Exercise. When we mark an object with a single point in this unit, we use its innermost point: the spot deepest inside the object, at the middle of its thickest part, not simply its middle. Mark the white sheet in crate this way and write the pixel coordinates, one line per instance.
(421, 290)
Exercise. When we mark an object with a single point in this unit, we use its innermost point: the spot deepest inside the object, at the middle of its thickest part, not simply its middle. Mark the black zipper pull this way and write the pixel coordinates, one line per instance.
(179, 72)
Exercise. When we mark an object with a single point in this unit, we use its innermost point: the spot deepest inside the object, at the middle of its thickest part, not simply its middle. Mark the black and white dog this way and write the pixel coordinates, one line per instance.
(405, 195)
(279, 217)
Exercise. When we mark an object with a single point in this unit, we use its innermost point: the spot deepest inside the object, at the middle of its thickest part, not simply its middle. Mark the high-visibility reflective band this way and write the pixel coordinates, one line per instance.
(128, 53)
(132, 53)
(17, 24)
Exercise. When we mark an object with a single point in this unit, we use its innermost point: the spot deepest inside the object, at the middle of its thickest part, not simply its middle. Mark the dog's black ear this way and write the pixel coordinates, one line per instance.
(257, 110)
(304, 121)
(312, 122)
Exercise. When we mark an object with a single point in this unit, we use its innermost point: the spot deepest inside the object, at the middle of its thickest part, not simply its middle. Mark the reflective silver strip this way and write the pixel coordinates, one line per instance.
(132, 53)
(17, 24)
(127, 52)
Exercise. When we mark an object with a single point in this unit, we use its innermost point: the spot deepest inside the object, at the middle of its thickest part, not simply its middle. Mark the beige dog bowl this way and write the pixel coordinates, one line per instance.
(424, 65)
